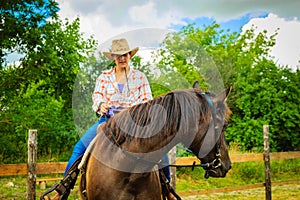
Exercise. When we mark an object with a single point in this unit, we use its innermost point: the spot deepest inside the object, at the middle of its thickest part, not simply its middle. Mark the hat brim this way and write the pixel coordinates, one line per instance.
(109, 55)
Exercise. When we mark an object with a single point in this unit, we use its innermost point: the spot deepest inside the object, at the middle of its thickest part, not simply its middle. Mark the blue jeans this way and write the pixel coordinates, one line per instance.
(166, 170)
(84, 142)
(86, 139)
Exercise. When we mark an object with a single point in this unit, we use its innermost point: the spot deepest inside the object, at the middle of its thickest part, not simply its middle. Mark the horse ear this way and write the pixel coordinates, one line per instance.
(223, 95)
(196, 85)
(228, 90)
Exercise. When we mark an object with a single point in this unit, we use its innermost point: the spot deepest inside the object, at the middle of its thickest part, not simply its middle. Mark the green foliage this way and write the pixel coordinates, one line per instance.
(35, 107)
(19, 20)
(267, 95)
(37, 93)
(177, 58)
(263, 93)
(58, 55)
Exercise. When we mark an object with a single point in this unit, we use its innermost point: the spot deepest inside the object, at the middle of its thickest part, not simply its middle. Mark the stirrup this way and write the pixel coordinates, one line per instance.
(42, 197)
(64, 187)
(66, 184)
(56, 187)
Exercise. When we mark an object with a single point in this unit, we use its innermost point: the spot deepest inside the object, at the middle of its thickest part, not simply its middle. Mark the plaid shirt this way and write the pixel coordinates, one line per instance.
(106, 90)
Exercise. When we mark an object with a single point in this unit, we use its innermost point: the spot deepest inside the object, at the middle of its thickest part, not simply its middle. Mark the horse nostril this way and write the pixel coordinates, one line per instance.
(229, 167)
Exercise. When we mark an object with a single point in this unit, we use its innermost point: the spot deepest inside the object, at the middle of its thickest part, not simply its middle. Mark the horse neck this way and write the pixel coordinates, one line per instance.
(162, 141)
(167, 122)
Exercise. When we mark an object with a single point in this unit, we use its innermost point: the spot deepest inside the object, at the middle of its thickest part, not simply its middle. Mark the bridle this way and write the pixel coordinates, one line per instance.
(217, 162)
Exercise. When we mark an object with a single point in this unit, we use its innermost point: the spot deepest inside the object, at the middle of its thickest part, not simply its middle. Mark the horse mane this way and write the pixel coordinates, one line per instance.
(165, 115)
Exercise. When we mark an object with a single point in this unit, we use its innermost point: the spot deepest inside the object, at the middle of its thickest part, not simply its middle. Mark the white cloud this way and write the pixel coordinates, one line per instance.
(106, 19)
(148, 15)
(141, 14)
(117, 15)
(287, 48)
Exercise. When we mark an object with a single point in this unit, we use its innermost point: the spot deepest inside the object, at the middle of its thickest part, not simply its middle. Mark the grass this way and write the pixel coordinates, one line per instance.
(187, 180)
(15, 188)
(279, 192)
(240, 174)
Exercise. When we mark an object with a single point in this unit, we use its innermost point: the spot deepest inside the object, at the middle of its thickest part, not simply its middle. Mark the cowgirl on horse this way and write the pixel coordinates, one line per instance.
(119, 87)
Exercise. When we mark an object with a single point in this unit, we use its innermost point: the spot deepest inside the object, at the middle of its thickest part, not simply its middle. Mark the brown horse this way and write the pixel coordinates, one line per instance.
(124, 155)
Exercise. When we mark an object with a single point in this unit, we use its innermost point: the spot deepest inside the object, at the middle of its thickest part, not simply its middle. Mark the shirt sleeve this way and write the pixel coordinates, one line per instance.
(98, 94)
(145, 90)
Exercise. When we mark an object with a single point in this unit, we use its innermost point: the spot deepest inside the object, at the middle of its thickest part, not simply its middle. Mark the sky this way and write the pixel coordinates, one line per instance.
(146, 21)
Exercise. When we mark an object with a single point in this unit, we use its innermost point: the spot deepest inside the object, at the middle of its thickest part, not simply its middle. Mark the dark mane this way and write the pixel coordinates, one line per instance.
(174, 110)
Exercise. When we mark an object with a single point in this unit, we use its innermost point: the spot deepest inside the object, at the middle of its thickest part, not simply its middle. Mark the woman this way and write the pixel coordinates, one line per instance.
(120, 87)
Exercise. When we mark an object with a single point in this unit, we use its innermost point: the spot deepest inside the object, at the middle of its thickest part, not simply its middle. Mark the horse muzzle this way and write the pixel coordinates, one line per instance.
(217, 172)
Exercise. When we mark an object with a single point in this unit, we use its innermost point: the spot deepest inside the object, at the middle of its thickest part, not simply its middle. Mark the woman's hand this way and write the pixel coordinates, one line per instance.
(103, 108)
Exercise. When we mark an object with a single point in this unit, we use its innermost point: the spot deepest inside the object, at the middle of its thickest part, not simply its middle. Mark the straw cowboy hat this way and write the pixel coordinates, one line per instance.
(120, 47)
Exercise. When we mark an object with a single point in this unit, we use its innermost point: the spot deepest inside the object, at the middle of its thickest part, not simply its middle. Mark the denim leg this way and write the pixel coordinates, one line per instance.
(83, 143)
(166, 169)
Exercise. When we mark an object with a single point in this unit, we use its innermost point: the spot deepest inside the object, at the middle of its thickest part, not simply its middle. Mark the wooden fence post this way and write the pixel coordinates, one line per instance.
(267, 163)
(172, 160)
(31, 165)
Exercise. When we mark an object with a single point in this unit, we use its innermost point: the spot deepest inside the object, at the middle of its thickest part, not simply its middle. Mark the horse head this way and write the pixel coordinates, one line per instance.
(212, 149)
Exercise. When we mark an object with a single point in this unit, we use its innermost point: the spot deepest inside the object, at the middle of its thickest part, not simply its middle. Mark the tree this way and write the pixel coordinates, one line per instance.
(206, 55)
(267, 95)
(263, 93)
(18, 21)
(43, 81)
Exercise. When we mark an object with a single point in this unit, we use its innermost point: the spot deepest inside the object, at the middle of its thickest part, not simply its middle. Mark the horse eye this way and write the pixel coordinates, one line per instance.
(225, 124)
